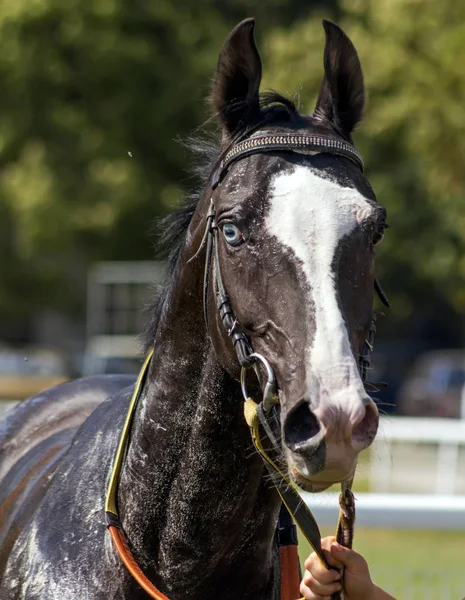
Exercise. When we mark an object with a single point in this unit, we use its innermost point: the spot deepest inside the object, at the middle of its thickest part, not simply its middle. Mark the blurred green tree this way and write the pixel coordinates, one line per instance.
(96, 93)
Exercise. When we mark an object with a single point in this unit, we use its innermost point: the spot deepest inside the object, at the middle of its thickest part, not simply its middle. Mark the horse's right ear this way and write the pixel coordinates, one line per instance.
(342, 96)
(236, 85)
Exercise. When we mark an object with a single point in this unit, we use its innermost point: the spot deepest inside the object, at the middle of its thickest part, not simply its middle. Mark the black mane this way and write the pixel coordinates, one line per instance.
(207, 151)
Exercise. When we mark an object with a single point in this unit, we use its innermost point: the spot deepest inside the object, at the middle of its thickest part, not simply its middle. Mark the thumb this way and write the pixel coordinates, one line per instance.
(353, 561)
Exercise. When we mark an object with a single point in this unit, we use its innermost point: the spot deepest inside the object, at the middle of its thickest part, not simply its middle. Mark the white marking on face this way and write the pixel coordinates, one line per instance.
(310, 215)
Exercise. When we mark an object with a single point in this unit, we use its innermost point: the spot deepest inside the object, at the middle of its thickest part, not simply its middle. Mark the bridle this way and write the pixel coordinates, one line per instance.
(260, 417)
(297, 144)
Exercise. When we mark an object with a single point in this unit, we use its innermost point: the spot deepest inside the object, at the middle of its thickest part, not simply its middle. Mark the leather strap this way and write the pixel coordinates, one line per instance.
(130, 563)
(290, 574)
(290, 495)
(286, 489)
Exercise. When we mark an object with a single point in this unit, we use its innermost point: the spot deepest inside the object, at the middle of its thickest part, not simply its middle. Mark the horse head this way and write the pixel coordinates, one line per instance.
(296, 244)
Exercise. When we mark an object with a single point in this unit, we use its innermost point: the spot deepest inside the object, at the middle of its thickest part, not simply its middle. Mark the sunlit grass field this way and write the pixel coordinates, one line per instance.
(411, 563)
(405, 548)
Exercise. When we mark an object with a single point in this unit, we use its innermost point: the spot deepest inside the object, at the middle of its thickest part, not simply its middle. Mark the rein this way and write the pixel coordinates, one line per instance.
(259, 417)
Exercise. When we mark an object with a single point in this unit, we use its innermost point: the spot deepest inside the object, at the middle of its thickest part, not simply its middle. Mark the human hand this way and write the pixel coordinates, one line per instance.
(320, 583)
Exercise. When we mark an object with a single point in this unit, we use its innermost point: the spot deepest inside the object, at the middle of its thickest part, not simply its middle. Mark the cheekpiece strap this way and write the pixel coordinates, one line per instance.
(295, 142)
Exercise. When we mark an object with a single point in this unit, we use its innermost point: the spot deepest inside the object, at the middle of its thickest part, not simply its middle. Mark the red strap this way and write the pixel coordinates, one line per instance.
(131, 565)
(289, 561)
(290, 574)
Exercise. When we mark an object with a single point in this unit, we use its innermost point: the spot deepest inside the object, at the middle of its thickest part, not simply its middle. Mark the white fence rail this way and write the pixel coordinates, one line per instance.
(408, 511)
(447, 435)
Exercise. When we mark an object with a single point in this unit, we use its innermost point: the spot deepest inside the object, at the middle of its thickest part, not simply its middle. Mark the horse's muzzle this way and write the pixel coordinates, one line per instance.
(322, 446)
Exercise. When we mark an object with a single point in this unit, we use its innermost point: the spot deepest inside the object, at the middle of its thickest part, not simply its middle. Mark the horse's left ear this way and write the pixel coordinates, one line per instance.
(236, 85)
(342, 94)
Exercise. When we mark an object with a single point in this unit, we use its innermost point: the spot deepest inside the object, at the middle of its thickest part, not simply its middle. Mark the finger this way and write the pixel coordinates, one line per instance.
(320, 589)
(327, 541)
(313, 559)
(349, 558)
(332, 561)
(325, 578)
(326, 544)
(314, 566)
(309, 595)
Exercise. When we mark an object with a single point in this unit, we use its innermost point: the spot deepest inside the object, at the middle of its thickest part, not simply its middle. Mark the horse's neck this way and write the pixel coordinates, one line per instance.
(194, 504)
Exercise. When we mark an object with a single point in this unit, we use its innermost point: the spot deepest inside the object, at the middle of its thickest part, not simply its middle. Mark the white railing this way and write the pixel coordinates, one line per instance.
(447, 435)
(410, 511)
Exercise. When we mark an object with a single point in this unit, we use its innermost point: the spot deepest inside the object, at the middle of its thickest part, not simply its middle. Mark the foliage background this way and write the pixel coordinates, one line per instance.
(95, 95)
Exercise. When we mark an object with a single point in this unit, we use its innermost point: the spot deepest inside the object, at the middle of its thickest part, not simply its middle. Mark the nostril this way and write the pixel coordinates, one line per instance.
(365, 431)
(300, 426)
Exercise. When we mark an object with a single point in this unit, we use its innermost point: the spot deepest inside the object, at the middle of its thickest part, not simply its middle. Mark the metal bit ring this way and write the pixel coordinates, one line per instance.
(269, 393)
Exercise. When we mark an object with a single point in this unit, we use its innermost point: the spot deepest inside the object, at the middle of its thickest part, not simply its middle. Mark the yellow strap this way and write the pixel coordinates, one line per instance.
(111, 500)
(250, 413)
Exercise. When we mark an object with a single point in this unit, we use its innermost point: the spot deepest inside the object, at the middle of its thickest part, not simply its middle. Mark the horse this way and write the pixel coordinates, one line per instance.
(290, 270)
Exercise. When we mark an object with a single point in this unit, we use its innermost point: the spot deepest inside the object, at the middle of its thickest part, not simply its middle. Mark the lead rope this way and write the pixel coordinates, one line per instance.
(258, 415)
(292, 500)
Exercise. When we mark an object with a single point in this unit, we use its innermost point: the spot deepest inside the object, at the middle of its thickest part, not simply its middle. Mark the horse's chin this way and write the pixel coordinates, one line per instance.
(314, 485)
(308, 485)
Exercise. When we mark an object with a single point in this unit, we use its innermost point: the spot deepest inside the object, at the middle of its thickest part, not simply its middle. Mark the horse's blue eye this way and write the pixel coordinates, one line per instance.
(232, 234)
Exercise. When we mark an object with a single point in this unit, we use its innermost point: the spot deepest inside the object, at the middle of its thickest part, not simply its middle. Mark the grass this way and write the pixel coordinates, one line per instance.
(406, 548)
(411, 563)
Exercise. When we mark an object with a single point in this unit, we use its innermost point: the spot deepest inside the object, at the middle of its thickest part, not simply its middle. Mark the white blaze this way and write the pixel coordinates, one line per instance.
(310, 215)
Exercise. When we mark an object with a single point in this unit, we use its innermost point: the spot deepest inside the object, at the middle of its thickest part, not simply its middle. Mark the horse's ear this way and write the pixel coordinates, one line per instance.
(235, 88)
(342, 94)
